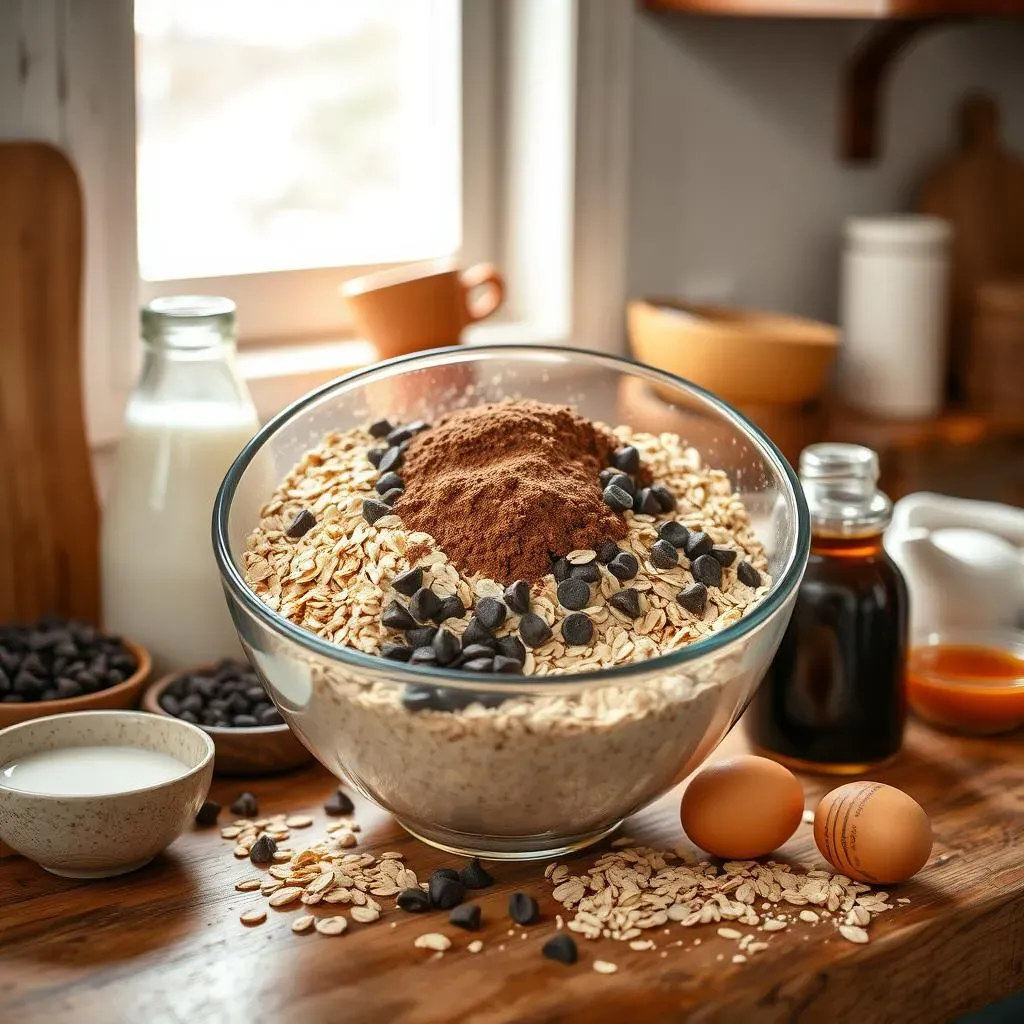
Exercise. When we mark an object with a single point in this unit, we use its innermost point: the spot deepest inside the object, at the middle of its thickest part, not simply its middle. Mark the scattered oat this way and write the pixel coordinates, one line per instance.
(809, 916)
(299, 821)
(604, 967)
(773, 924)
(808, 816)
(303, 923)
(248, 884)
(433, 940)
(730, 933)
(641, 944)
(852, 933)
(739, 958)
(364, 915)
(252, 917)
(475, 946)
(331, 925)
(285, 895)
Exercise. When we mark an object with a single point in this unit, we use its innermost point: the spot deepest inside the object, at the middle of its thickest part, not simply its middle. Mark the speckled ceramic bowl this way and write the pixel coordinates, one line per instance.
(109, 834)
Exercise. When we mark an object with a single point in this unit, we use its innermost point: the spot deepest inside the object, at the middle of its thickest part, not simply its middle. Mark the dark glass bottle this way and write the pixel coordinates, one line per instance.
(834, 697)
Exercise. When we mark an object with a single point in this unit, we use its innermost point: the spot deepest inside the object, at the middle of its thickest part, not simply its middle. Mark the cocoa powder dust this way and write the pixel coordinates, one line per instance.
(504, 488)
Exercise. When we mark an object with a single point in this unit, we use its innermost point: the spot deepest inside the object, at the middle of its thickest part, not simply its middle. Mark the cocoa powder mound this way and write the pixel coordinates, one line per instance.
(504, 488)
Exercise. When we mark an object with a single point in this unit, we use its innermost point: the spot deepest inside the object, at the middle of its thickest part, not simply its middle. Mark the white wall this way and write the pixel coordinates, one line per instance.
(736, 192)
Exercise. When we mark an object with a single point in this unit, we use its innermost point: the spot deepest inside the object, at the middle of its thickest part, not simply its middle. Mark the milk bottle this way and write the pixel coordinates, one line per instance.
(187, 419)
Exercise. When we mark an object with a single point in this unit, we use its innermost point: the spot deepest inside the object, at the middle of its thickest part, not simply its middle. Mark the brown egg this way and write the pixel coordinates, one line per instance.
(872, 832)
(742, 807)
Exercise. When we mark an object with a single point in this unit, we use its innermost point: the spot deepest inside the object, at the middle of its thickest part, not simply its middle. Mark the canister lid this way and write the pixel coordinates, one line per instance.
(841, 485)
(899, 232)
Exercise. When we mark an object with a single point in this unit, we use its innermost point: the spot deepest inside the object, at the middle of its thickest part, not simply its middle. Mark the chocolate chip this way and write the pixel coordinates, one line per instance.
(408, 582)
(625, 482)
(446, 647)
(617, 499)
(424, 604)
(380, 428)
(707, 570)
(747, 574)
(475, 876)
(374, 510)
(490, 611)
(476, 633)
(626, 601)
(473, 651)
(303, 522)
(589, 573)
(391, 459)
(245, 806)
(507, 666)
(664, 555)
(606, 551)
(624, 566)
(339, 805)
(517, 596)
(423, 656)
(675, 533)
(389, 480)
(270, 716)
(573, 594)
(451, 873)
(395, 652)
(478, 665)
(561, 947)
(523, 909)
(577, 630)
(446, 892)
(374, 455)
(399, 434)
(533, 629)
(413, 901)
(208, 813)
(512, 647)
(420, 698)
(647, 503)
(466, 916)
(561, 569)
(390, 497)
(724, 556)
(694, 598)
(421, 636)
(698, 544)
(627, 459)
(605, 476)
(665, 498)
(245, 721)
(451, 608)
(263, 850)
(395, 616)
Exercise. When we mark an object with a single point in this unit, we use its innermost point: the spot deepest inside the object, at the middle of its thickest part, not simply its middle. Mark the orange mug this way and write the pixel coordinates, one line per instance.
(421, 306)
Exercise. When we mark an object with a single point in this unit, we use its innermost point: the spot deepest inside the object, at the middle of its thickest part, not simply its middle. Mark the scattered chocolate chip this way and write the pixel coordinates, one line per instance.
(627, 459)
(446, 892)
(413, 901)
(451, 873)
(245, 721)
(395, 616)
(561, 947)
(420, 698)
(533, 629)
(380, 428)
(478, 665)
(625, 482)
(390, 497)
(577, 630)
(424, 604)
(303, 522)
(605, 476)
(665, 498)
(724, 556)
(664, 555)
(490, 611)
(395, 652)
(589, 573)
(747, 574)
(389, 480)
(624, 566)
(517, 596)
(476, 633)
(208, 813)
(339, 805)
(391, 459)
(511, 647)
(423, 656)
(707, 569)
(446, 647)
(451, 608)
(475, 876)
(466, 916)
(646, 503)
(561, 569)
(399, 434)
(626, 601)
(373, 509)
(263, 850)
(698, 544)
(473, 651)
(506, 666)
(245, 806)
(523, 909)
(694, 598)
(408, 582)
(573, 594)
(421, 636)
(374, 455)
(617, 499)
(606, 551)
(675, 533)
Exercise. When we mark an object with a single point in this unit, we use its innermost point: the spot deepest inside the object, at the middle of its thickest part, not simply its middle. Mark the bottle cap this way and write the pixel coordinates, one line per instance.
(841, 485)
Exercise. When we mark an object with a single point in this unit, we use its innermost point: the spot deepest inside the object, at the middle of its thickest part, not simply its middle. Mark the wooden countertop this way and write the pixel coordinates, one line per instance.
(165, 944)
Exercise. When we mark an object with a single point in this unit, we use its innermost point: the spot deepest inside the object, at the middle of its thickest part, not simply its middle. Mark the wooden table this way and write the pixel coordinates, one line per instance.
(165, 944)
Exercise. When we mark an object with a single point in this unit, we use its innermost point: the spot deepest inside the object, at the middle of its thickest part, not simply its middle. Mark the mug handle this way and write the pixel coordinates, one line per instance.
(479, 275)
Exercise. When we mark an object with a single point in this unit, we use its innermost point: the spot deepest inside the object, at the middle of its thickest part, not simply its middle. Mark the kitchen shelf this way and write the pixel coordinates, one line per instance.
(842, 8)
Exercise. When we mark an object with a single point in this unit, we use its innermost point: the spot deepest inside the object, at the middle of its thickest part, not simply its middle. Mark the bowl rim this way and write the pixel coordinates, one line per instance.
(780, 591)
(203, 764)
(1008, 640)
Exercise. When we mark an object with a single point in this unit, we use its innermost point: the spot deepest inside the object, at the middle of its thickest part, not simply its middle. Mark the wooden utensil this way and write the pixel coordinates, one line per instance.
(49, 515)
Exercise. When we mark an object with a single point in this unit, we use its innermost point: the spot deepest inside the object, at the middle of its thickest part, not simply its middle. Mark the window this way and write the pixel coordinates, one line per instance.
(283, 147)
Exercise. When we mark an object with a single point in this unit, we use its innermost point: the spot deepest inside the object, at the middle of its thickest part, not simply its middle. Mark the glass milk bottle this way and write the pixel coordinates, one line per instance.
(187, 419)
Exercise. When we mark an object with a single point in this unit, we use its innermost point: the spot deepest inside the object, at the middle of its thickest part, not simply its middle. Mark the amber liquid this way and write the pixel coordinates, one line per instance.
(834, 699)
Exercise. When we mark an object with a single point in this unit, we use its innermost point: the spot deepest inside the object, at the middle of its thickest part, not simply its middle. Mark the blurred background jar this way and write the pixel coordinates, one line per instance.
(185, 422)
(995, 364)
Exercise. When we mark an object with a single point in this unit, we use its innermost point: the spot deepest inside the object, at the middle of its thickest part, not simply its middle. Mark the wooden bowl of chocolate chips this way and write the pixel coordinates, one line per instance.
(227, 701)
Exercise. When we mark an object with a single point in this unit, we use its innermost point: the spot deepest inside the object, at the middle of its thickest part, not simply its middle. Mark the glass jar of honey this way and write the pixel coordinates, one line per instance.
(834, 697)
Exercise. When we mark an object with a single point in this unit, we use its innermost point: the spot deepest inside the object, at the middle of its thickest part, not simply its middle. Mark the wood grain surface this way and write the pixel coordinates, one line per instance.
(165, 944)
(49, 516)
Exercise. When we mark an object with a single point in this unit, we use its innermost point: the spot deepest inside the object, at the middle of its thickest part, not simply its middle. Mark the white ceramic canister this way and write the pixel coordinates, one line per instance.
(188, 418)
(894, 306)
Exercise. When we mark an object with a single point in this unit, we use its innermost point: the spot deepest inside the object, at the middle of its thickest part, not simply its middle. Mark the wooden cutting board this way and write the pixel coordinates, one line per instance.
(49, 515)
(980, 191)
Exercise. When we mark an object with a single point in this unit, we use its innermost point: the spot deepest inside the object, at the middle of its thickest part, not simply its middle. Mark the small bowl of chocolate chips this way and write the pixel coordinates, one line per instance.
(227, 700)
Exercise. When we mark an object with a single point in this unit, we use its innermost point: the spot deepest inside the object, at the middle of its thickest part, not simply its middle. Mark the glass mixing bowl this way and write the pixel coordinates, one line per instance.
(543, 765)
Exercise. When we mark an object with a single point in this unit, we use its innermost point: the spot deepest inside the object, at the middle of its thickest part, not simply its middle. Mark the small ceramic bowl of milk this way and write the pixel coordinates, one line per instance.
(100, 793)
